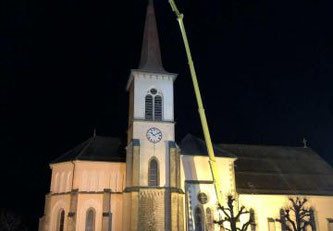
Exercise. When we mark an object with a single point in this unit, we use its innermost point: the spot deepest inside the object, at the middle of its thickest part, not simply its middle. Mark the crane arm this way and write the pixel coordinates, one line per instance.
(203, 119)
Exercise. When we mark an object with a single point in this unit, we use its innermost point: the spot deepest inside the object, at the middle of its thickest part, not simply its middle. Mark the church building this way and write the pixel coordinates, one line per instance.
(164, 185)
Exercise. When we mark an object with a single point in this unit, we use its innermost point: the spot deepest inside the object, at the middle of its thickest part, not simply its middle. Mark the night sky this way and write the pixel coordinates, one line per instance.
(264, 67)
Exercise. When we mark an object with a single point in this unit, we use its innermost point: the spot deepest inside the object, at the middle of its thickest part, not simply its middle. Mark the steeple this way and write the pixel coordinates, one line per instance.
(150, 52)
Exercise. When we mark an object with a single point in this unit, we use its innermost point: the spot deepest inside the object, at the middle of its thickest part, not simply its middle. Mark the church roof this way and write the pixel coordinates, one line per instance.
(151, 60)
(96, 148)
(259, 169)
(191, 145)
(263, 169)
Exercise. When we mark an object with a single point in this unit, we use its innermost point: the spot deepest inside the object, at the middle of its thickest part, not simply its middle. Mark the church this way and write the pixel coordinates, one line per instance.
(164, 185)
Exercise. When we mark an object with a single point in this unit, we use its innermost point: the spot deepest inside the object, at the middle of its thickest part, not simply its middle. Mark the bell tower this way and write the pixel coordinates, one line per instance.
(153, 198)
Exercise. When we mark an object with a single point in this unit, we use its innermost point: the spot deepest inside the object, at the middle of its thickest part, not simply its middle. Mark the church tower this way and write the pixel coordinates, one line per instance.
(153, 199)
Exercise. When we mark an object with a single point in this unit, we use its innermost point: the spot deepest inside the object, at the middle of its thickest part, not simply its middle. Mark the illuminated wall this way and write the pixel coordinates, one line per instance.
(196, 178)
(268, 206)
(80, 185)
(92, 178)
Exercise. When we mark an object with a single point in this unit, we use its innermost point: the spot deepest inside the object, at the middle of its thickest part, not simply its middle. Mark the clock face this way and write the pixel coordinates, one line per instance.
(154, 135)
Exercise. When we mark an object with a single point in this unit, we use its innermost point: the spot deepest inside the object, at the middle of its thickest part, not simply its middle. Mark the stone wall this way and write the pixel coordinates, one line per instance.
(152, 210)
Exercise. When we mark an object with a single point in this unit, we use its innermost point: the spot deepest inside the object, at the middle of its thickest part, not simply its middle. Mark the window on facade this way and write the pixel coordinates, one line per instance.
(202, 198)
(271, 224)
(153, 173)
(153, 105)
(158, 108)
(209, 220)
(153, 91)
(198, 219)
(312, 220)
(90, 220)
(252, 220)
(330, 224)
(283, 220)
(61, 220)
(149, 107)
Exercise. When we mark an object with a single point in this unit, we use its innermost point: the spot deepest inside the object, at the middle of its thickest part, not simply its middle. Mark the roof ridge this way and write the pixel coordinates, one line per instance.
(97, 148)
(312, 158)
(69, 152)
(85, 147)
(190, 142)
(267, 145)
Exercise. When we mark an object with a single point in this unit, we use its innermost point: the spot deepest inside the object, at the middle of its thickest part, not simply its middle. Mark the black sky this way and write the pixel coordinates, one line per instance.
(265, 69)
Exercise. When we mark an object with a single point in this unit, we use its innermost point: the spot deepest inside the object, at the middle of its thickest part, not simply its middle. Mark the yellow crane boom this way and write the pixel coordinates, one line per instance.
(204, 124)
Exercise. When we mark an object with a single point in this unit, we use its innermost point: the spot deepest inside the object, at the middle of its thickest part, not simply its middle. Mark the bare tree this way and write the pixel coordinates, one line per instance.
(297, 217)
(232, 218)
(10, 222)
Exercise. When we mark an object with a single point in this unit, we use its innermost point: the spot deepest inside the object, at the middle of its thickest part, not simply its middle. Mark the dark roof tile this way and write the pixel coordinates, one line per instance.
(191, 145)
(280, 170)
(96, 148)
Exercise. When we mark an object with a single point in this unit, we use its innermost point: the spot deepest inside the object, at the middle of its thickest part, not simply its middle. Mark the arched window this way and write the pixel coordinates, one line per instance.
(153, 177)
(312, 220)
(209, 219)
(198, 219)
(61, 220)
(283, 220)
(252, 220)
(158, 107)
(153, 105)
(149, 107)
(90, 220)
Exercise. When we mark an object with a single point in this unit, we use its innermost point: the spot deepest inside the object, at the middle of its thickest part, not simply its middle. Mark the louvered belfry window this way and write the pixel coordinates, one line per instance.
(149, 107)
(153, 106)
(158, 108)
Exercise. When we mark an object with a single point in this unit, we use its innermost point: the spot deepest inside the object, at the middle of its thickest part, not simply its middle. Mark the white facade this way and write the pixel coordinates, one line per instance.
(143, 82)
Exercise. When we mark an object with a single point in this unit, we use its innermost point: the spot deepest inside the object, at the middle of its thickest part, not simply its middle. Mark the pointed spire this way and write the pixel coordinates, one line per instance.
(150, 52)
